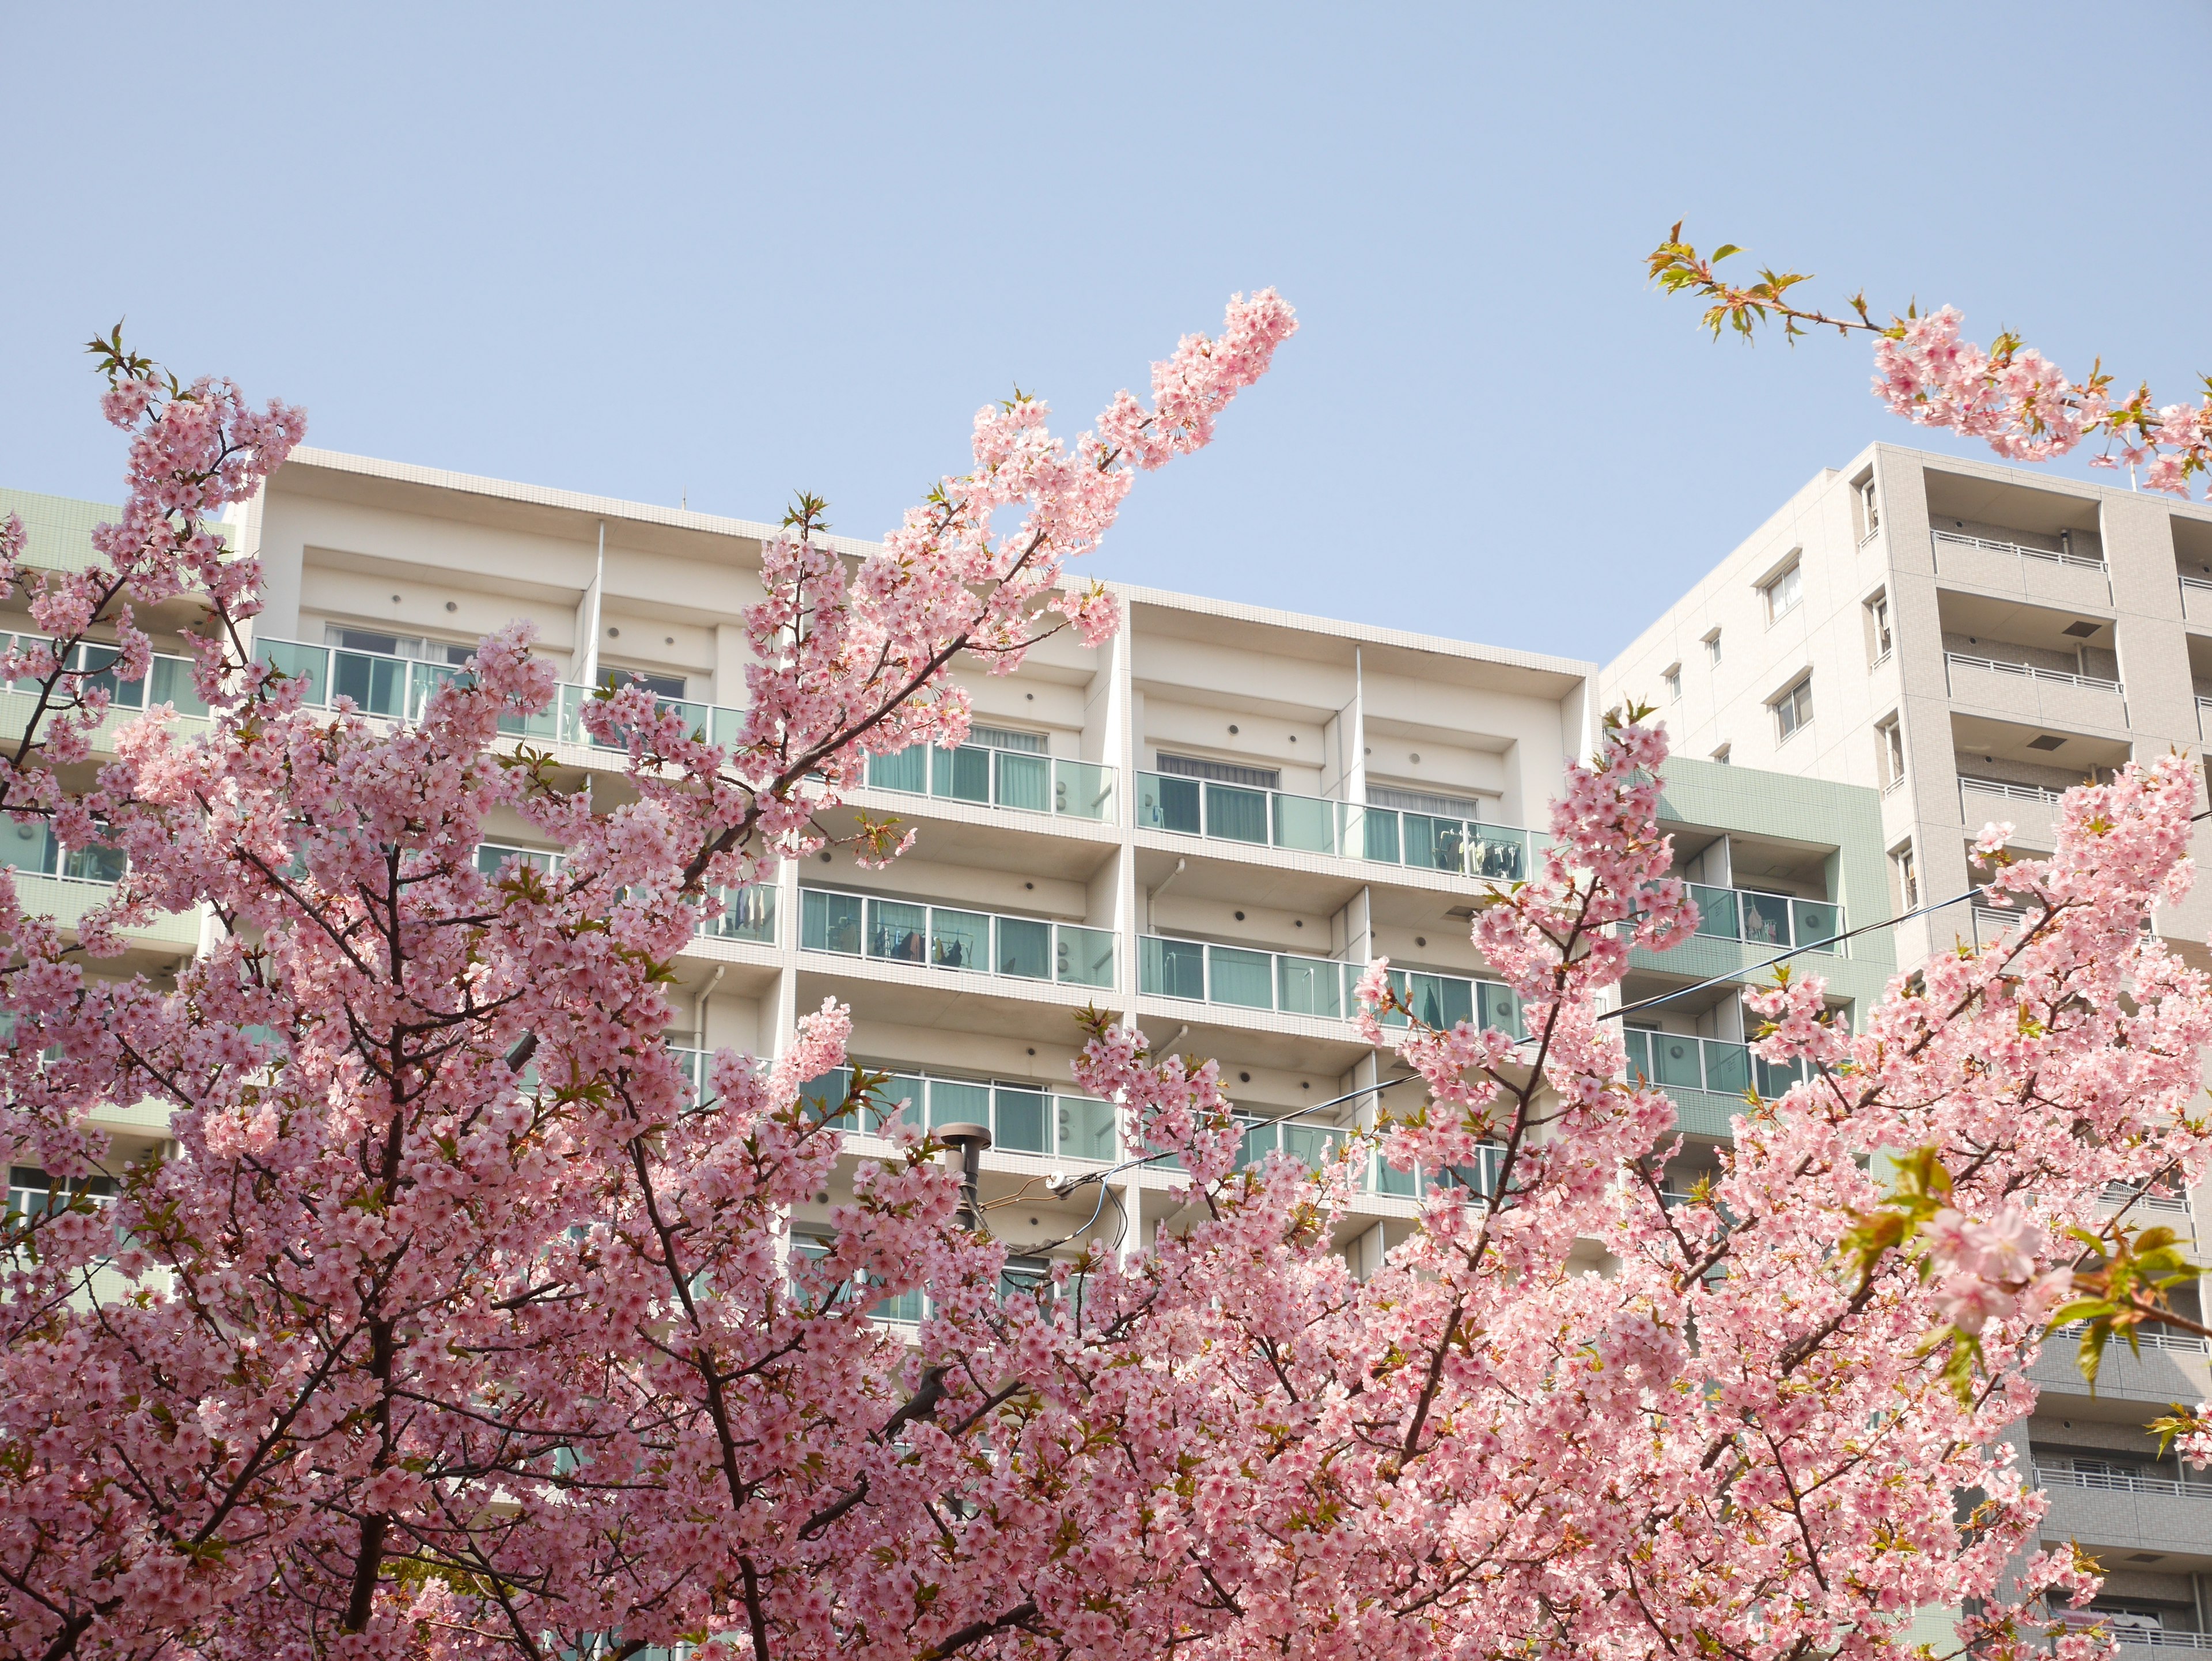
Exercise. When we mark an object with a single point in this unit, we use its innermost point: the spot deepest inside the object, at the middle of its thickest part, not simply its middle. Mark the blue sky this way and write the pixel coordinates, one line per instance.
(729, 252)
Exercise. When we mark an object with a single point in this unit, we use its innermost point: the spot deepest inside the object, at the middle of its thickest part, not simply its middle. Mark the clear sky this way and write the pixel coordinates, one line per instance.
(727, 252)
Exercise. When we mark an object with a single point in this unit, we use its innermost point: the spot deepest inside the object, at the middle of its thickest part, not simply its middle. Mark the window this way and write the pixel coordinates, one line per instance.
(1879, 640)
(1869, 509)
(1006, 738)
(396, 645)
(1793, 710)
(1908, 878)
(1222, 772)
(1889, 747)
(1672, 674)
(1713, 647)
(1721, 755)
(1782, 591)
(661, 686)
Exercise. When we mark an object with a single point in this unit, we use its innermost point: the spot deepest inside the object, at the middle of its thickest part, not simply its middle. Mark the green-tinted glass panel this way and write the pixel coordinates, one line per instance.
(907, 1305)
(954, 1102)
(1728, 1067)
(1637, 1043)
(1083, 957)
(424, 679)
(1388, 1179)
(1235, 814)
(1305, 823)
(959, 939)
(898, 930)
(1814, 920)
(1261, 1137)
(906, 771)
(826, 1091)
(1024, 948)
(96, 664)
(829, 922)
(1022, 1121)
(1025, 781)
(1313, 1146)
(1434, 844)
(378, 685)
(26, 847)
(725, 726)
(1717, 912)
(1246, 979)
(1082, 789)
(1379, 833)
(1309, 986)
(1086, 1127)
(171, 683)
(1500, 855)
(747, 914)
(1775, 1078)
(1172, 969)
(1676, 1060)
(963, 775)
(1766, 918)
(1166, 804)
(95, 864)
(289, 657)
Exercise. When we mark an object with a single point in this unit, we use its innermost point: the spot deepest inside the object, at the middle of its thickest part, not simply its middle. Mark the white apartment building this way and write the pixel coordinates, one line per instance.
(1970, 639)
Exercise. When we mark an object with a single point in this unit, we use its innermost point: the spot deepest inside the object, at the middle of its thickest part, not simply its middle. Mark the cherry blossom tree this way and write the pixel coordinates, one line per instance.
(460, 1325)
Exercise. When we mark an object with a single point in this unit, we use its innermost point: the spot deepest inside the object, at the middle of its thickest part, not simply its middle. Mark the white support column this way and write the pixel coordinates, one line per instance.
(584, 665)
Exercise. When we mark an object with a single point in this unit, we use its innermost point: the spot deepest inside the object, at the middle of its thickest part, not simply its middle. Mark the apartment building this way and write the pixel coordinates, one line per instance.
(1969, 640)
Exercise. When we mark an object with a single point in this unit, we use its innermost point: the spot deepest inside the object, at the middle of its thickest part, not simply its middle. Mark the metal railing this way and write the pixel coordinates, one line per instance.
(2116, 1194)
(2012, 792)
(1019, 779)
(33, 849)
(1766, 919)
(1990, 544)
(948, 937)
(1291, 984)
(2031, 672)
(398, 689)
(2176, 1343)
(2120, 1629)
(1679, 1061)
(1315, 825)
(745, 914)
(2202, 585)
(1022, 1118)
(168, 679)
(2120, 1482)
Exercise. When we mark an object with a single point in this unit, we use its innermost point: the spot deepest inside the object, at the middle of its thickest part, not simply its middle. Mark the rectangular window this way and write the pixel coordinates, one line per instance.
(1006, 738)
(1713, 647)
(396, 645)
(1721, 755)
(1889, 744)
(1908, 878)
(1869, 509)
(1672, 674)
(1196, 766)
(1782, 591)
(1879, 640)
(1793, 710)
(661, 686)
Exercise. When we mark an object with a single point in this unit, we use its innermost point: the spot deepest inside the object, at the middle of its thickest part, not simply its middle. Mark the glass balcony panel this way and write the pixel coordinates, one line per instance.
(962, 774)
(1021, 1121)
(95, 864)
(1814, 921)
(1637, 1043)
(424, 679)
(1728, 1067)
(826, 1091)
(907, 1305)
(289, 657)
(543, 724)
(953, 1101)
(1086, 1127)
(1766, 918)
(907, 1093)
(96, 664)
(1261, 1137)
(898, 930)
(906, 771)
(1440, 1001)
(1171, 968)
(378, 685)
(1501, 855)
(1082, 789)
(1169, 803)
(829, 922)
(26, 847)
(695, 717)
(1434, 844)
(1246, 979)
(1379, 834)
(1306, 824)
(1500, 1007)
(1309, 986)
(725, 726)
(171, 683)
(1678, 1061)
(1024, 948)
(1388, 1179)
(1313, 1146)
(1083, 957)
(1235, 814)
(747, 914)
(1717, 912)
(1398, 983)
(959, 939)
(1776, 1078)
(1025, 781)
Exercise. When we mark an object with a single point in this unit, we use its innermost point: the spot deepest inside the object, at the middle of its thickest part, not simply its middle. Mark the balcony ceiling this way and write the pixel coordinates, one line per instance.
(2004, 621)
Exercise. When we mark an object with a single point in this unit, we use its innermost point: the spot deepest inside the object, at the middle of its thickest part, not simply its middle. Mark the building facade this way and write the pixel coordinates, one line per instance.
(1969, 640)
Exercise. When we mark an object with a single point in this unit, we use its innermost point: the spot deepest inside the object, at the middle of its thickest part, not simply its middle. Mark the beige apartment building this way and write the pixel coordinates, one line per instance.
(1969, 640)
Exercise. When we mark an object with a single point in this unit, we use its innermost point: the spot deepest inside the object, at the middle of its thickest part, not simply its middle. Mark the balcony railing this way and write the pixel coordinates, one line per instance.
(1312, 824)
(2110, 1481)
(2174, 1343)
(1988, 544)
(1766, 919)
(168, 679)
(945, 937)
(2049, 794)
(1019, 779)
(746, 914)
(2004, 666)
(1679, 1060)
(2126, 1629)
(399, 688)
(1290, 984)
(2117, 1194)
(1022, 1118)
(2199, 585)
(32, 848)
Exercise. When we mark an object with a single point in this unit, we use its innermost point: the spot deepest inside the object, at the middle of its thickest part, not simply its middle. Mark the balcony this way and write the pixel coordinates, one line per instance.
(2058, 573)
(2032, 809)
(2109, 1481)
(1288, 984)
(2132, 1631)
(1313, 825)
(2028, 691)
(168, 680)
(396, 688)
(943, 937)
(1721, 1067)
(1022, 1118)
(745, 914)
(1026, 782)
(64, 886)
(1775, 921)
(2196, 599)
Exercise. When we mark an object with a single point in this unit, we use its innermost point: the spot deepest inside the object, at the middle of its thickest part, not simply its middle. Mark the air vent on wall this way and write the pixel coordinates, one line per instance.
(2045, 741)
(2146, 1557)
(2083, 629)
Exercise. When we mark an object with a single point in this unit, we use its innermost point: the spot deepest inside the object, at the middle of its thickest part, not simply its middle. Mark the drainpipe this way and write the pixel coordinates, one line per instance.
(1150, 921)
(699, 1006)
(589, 669)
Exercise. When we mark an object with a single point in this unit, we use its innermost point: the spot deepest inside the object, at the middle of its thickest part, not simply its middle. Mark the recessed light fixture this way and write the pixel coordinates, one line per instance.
(1420, 940)
(1243, 1078)
(1416, 755)
(1240, 917)
(453, 605)
(614, 634)
(1232, 727)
